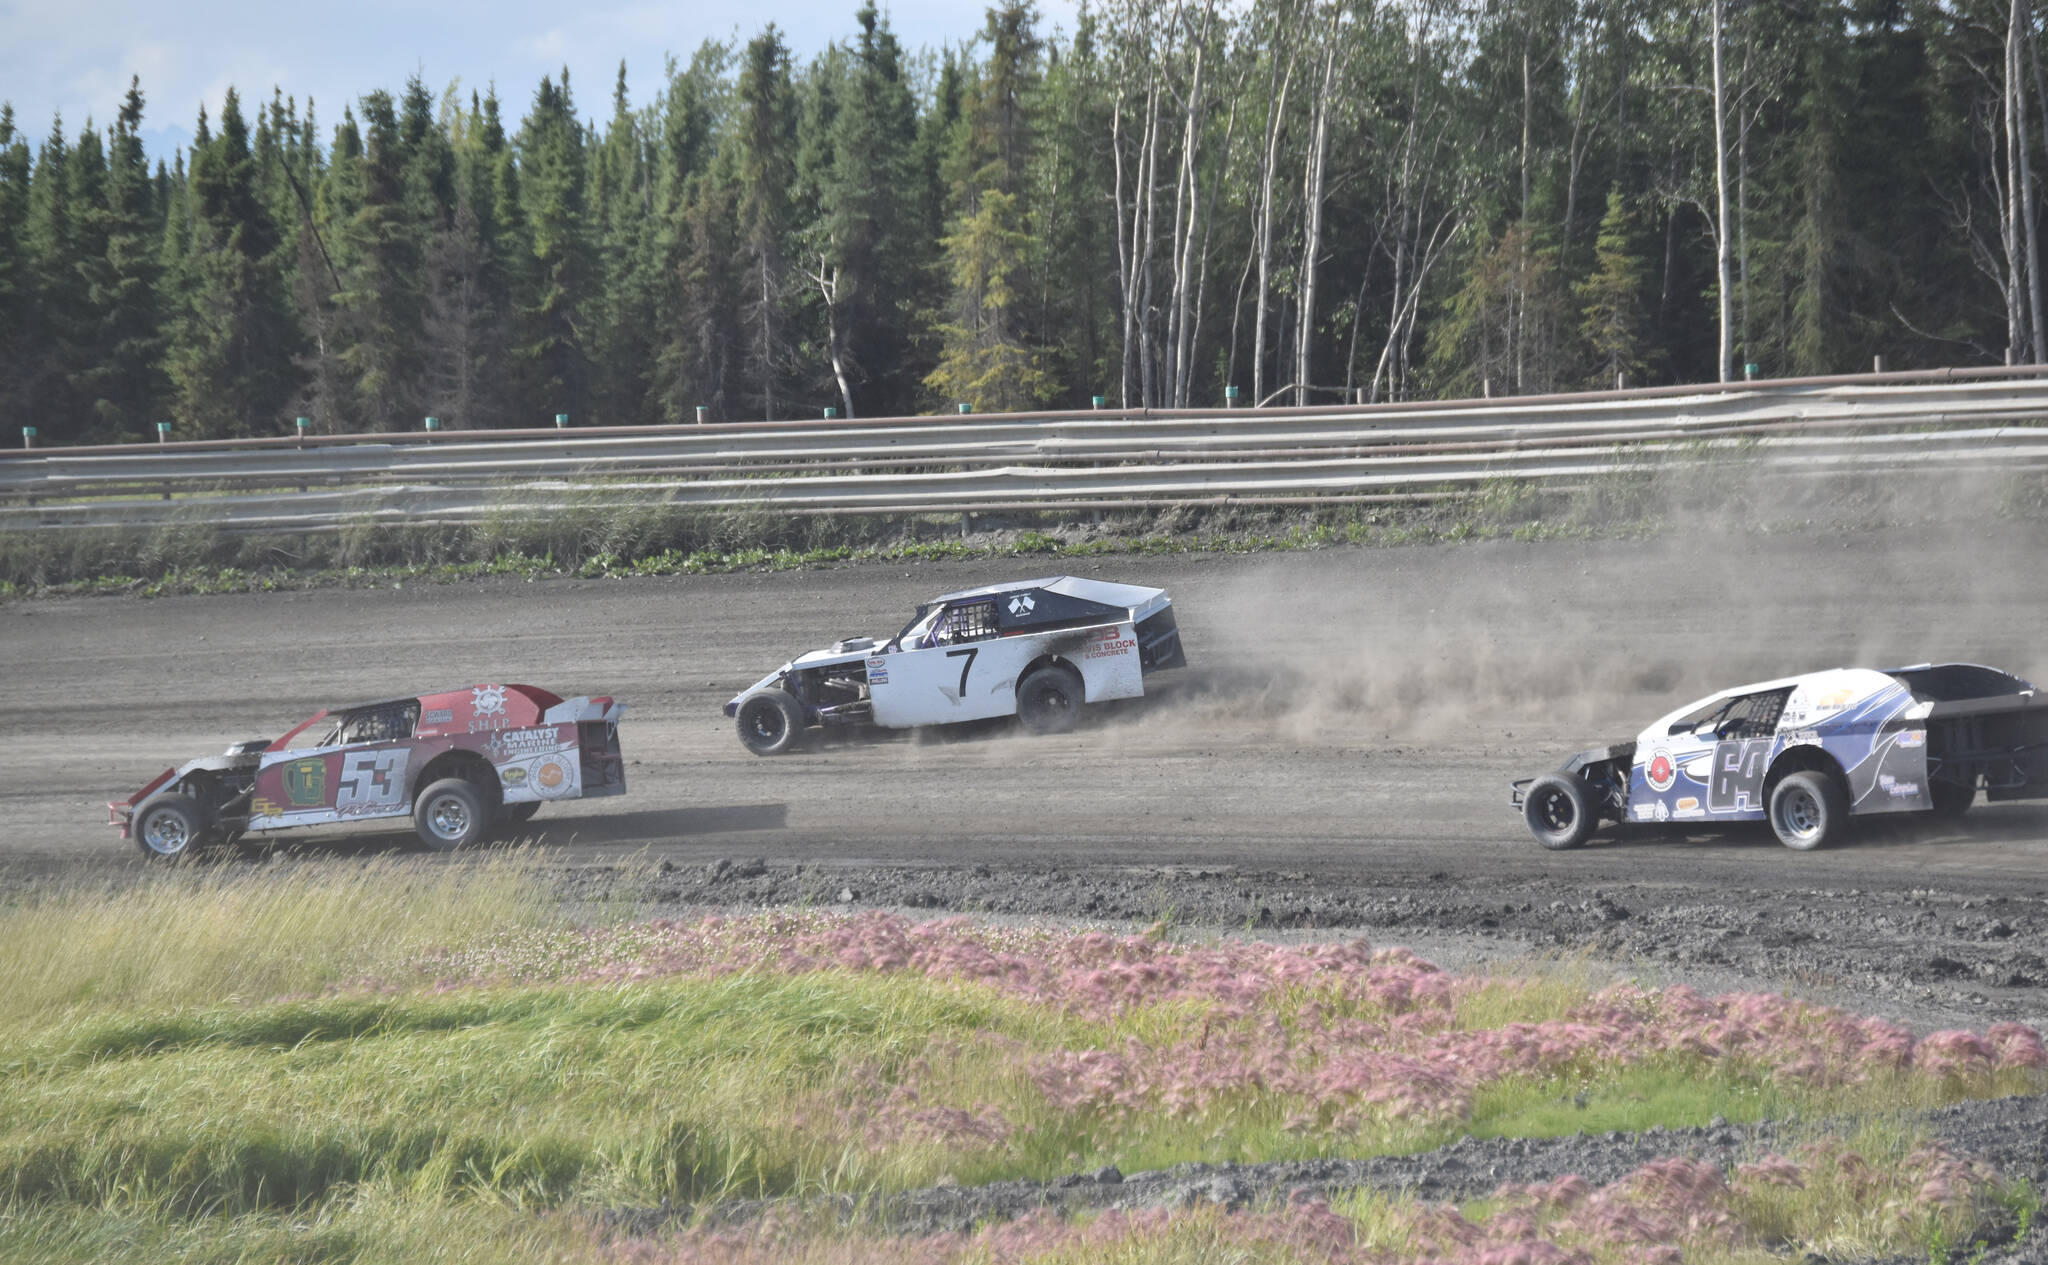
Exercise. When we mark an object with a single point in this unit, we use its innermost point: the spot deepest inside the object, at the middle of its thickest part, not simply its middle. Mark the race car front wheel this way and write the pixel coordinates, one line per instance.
(450, 814)
(169, 828)
(1559, 810)
(770, 723)
(1808, 810)
(1049, 699)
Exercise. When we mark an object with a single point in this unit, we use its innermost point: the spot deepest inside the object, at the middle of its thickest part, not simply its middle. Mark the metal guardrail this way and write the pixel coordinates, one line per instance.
(1952, 419)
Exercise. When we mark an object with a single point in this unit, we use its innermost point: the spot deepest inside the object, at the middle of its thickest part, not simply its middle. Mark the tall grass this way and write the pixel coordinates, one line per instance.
(210, 937)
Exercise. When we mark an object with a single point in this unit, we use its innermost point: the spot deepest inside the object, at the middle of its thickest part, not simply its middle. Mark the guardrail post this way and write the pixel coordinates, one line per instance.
(1620, 380)
(1486, 388)
(965, 407)
(1358, 395)
(433, 423)
(1229, 397)
(702, 413)
(1877, 364)
(163, 432)
(28, 436)
(302, 425)
(561, 421)
(1749, 371)
(830, 412)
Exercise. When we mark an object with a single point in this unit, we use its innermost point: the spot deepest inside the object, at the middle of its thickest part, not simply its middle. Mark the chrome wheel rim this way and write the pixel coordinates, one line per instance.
(448, 817)
(1799, 813)
(166, 833)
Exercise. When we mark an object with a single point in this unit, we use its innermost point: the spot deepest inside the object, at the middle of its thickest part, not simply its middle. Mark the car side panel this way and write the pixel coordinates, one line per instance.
(1876, 736)
(978, 680)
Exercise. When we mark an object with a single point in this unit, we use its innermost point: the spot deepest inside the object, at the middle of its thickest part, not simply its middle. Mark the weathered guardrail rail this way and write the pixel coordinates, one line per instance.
(1961, 419)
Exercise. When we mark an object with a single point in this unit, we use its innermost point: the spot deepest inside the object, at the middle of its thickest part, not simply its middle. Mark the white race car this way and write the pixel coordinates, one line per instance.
(1035, 649)
(1806, 752)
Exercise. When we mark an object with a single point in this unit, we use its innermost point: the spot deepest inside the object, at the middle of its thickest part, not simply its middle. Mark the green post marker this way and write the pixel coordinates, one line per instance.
(561, 421)
(830, 413)
(1749, 371)
(303, 424)
(1099, 400)
(163, 432)
(966, 407)
(1229, 397)
(28, 436)
(702, 414)
(433, 423)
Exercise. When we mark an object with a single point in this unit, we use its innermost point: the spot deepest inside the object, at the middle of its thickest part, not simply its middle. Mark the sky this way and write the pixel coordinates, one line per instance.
(76, 57)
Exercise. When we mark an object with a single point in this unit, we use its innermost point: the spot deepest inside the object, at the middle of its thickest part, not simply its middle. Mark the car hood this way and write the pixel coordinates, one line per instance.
(852, 650)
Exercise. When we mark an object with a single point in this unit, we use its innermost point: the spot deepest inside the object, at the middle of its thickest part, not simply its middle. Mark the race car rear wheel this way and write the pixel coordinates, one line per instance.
(1049, 699)
(1808, 810)
(1559, 810)
(1952, 799)
(170, 828)
(450, 814)
(770, 723)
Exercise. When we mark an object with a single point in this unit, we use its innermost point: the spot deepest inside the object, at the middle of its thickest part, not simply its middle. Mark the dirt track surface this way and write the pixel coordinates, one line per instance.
(1337, 756)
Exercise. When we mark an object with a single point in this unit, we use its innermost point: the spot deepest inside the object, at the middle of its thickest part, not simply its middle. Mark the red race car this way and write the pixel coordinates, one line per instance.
(457, 762)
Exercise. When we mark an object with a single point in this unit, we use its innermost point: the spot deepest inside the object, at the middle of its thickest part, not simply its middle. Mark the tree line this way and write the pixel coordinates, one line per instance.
(1300, 200)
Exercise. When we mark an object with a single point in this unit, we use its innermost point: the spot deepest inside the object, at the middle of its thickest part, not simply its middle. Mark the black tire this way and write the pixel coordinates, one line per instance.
(169, 828)
(450, 814)
(1808, 810)
(1049, 699)
(1952, 799)
(1559, 810)
(770, 722)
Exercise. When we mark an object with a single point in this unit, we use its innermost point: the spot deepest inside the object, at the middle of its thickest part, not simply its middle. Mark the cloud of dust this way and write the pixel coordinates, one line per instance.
(1750, 575)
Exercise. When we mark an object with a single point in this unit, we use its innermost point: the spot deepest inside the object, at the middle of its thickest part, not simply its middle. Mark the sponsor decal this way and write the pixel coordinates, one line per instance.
(1022, 604)
(1660, 811)
(1834, 700)
(368, 810)
(1111, 646)
(553, 777)
(437, 716)
(878, 671)
(487, 708)
(1802, 735)
(512, 776)
(261, 807)
(1896, 788)
(371, 779)
(1910, 739)
(511, 744)
(1687, 804)
(1660, 772)
(305, 782)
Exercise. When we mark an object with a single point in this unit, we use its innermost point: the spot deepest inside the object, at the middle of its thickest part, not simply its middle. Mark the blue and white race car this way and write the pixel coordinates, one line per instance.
(1806, 753)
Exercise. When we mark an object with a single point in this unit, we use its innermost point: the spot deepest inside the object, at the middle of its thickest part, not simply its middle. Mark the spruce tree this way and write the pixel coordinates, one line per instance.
(551, 188)
(16, 283)
(1613, 300)
(121, 378)
(767, 172)
(385, 295)
(985, 363)
(230, 357)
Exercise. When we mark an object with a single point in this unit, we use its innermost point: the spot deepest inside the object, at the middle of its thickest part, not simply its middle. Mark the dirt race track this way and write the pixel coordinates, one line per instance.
(1338, 754)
